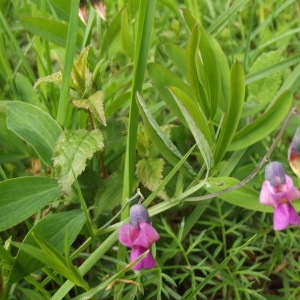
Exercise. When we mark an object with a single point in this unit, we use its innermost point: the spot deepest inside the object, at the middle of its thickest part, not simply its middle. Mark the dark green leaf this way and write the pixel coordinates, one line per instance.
(24, 196)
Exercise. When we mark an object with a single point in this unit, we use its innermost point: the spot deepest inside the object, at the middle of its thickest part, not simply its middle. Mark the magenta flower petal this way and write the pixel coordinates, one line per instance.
(147, 236)
(281, 216)
(293, 216)
(147, 262)
(267, 197)
(128, 234)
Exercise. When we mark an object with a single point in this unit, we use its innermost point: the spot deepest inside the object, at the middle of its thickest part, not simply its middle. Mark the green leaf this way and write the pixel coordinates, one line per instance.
(24, 196)
(80, 75)
(264, 125)
(94, 104)
(127, 40)
(177, 56)
(72, 150)
(53, 78)
(51, 257)
(52, 228)
(51, 30)
(31, 294)
(34, 126)
(159, 138)
(235, 105)
(109, 194)
(192, 61)
(162, 78)
(262, 91)
(149, 172)
(197, 124)
(245, 196)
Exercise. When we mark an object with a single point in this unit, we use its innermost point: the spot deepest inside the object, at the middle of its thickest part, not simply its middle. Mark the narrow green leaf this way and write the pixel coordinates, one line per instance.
(197, 124)
(94, 104)
(127, 40)
(162, 78)
(177, 56)
(149, 172)
(264, 125)
(188, 18)
(34, 126)
(235, 105)
(72, 150)
(53, 228)
(24, 196)
(192, 61)
(158, 137)
(31, 294)
(51, 30)
(245, 196)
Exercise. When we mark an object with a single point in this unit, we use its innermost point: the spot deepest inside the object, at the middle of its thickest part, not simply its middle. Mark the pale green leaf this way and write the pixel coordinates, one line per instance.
(72, 150)
(52, 228)
(81, 76)
(53, 78)
(149, 172)
(262, 91)
(24, 196)
(94, 104)
(34, 126)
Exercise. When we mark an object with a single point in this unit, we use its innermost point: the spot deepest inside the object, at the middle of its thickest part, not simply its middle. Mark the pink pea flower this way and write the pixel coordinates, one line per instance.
(278, 191)
(139, 236)
(100, 8)
(294, 153)
(83, 13)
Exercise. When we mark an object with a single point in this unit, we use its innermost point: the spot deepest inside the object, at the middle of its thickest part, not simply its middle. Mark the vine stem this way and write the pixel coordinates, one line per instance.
(257, 169)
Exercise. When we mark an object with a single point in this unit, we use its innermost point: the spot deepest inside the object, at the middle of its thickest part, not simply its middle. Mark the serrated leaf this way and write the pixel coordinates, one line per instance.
(54, 78)
(94, 104)
(52, 228)
(81, 76)
(24, 196)
(149, 172)
(71, 152)
(34, 126)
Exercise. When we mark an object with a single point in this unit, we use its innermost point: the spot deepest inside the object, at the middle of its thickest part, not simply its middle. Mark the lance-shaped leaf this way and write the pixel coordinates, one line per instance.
(71, 152)
(34, 126)
(149, 172)
(160, 139)
(234, 110)
(94, 104)
(52, 228)
(197, 124)
(51, 257)
(22, 197)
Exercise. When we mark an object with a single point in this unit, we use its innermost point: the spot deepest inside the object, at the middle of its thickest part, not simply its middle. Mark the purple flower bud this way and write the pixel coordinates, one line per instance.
(138, 214)
(83, 11)
(275, 173)
(99, 6)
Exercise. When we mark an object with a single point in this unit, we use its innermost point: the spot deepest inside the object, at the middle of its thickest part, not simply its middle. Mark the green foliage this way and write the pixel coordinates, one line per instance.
(183, 100)
(72, 150)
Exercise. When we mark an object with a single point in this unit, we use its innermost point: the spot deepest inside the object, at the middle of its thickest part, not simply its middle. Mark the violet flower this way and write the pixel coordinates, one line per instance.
(294, 153)
(278, 191)
(139, 236)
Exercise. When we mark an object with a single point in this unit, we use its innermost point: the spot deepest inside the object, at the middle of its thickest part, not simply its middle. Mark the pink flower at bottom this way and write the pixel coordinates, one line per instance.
(278, 191)
(139, 236)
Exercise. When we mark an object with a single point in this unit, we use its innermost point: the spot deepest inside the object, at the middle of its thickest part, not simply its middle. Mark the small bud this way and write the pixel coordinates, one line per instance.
(275, 173)
(99, 6)
(138, 214)
(83, 11)
(294, 153)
